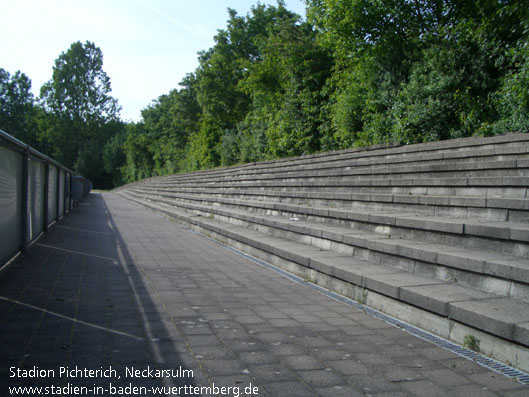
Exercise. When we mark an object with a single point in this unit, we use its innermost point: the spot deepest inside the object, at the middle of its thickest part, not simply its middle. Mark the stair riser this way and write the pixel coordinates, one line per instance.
(520, 249)
(491, 214)
(368, 174)
(430, 162)
(450, 207)
(465, 191)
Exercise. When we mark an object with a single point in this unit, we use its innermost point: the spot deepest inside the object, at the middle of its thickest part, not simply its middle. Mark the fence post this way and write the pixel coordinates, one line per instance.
(69, 192)
(57, 194)
(64, 192)
(46, 194)
(25, 204)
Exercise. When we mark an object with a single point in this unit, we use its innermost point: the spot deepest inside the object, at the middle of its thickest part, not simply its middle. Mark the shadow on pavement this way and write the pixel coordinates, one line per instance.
(75, 311)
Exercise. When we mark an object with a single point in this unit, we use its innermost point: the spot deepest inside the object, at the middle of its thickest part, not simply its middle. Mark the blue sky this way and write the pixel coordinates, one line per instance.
(148, 45)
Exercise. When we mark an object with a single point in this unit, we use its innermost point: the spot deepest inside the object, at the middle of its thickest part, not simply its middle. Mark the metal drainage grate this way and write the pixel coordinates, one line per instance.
(471, 355)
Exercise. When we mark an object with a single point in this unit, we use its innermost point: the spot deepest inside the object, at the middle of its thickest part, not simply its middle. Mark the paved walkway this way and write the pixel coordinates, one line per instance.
(114, 293)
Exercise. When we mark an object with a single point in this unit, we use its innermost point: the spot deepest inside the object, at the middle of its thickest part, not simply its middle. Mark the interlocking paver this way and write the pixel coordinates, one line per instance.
(321, 378)
(113, 284)
(339, 391)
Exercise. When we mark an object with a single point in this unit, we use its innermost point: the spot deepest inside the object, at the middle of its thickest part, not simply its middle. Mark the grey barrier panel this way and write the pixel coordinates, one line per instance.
(52, 194)
(80, 187)
(76, 189)
(35, 190)
(36, 174)
(10, 202)
(61, 192)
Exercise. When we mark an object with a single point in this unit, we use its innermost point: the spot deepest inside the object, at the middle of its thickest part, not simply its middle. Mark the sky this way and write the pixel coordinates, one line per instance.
(148, 45)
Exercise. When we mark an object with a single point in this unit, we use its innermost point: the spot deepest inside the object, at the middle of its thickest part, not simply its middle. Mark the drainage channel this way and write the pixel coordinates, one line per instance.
(487, 362)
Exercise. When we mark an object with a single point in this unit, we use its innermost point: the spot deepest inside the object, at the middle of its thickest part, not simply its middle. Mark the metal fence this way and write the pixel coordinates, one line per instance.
(35, 191)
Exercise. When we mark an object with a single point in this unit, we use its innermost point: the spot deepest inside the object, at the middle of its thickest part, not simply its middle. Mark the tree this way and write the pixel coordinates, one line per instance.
(114, 159)
(413, 71)
(139, 161)
(17, 107)
(79, 89)
(222, 101)
(80, 110)
(286, 88)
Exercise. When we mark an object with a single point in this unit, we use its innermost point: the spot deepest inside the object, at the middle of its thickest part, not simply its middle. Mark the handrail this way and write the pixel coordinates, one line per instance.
(35, 192)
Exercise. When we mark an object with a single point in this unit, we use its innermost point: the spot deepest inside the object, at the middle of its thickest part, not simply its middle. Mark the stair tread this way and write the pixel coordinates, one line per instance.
(507, 230)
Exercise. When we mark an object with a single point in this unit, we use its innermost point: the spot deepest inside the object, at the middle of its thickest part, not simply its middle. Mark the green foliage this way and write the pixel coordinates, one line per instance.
(89, 164)
(223, 99)
(421, 71)
(512, 98)
(139, 161)
(230, 148)
(80, 115)
(355, 73)
(252, 140)
(447, 95)
(79, 88)
(17, 108)
(286, 89)
(114, 158)
(471, 342)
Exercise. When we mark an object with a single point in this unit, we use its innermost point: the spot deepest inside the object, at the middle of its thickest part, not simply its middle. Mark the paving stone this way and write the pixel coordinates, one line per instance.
(319, 326)
(258, 357)
(281, 349)
(339, 391)
(472, 391)
(373, 385)
(283, 323)
(314, 341)
(349, 367)
(301, 362)
(446, 378)
(496, 382)
(269, 373)
(321, 378)
(203, 340)
(423, 388)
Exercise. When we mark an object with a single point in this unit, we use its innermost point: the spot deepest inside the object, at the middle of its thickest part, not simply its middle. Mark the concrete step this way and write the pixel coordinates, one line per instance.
(497, 272)
(506, 231)
(478, 208)
(504, 188)
(496, 182)
(504, 317)
(467, 153)
(489, 169)
(491, 177)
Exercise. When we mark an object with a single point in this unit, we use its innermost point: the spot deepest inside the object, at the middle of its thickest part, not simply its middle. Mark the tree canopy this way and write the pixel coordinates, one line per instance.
(355, 72)
(81, 115)
(17, 109)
